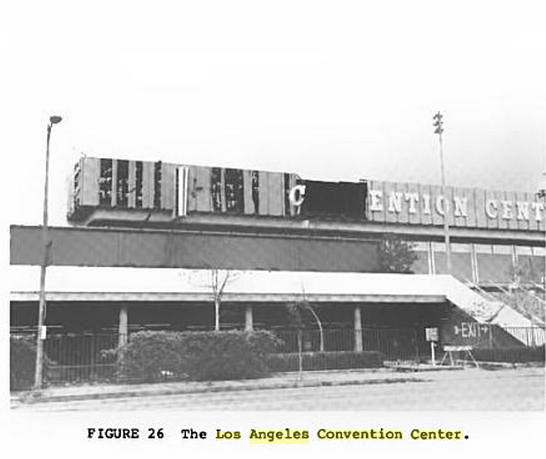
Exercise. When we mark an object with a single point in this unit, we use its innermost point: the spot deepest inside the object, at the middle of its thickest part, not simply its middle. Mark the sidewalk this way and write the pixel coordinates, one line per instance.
(277, 381)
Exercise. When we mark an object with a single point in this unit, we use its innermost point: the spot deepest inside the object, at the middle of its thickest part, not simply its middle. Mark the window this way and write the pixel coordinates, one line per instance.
(256, 191)
(460, 248)
(234, 191)
(122, 183)
(157, 185)
(523, 250)
(76, 190)
(502, 249)
(483, 248)
(420, 246)
(287, 194)
(138, 184)
(105, 182)
(216, 189)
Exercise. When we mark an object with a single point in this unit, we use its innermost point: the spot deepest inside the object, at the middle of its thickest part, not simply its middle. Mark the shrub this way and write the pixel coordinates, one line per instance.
(151, 356)
(157, 356)
(23, 363)
(326, 360)
(396, 255)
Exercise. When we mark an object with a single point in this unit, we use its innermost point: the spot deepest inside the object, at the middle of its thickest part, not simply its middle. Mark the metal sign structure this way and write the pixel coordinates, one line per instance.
(431, 334)
(465, 332)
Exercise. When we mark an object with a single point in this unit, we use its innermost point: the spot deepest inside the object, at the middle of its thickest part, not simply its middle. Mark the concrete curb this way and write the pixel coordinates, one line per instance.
(424, 369)
(321, 378)
(30, 398)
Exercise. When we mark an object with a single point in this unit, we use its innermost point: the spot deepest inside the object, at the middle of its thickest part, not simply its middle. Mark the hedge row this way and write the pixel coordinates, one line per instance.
(197, 356)
(510, 354)
(326, 360)
(22, 362)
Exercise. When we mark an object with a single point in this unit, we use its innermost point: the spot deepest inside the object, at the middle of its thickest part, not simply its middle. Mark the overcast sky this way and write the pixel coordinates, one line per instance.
(329, 90)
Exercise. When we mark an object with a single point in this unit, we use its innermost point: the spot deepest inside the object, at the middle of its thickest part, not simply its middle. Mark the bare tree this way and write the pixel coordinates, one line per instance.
(304, 306)
(216, 282)
(525, 294)
(297, 310)
(219, 279)
(310, 308)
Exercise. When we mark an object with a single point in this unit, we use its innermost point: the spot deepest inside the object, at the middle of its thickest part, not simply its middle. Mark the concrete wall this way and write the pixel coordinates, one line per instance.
(109, 247)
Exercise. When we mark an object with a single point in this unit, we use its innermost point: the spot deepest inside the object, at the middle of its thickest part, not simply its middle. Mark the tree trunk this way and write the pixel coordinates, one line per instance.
(321, 332)
(300, 359)
(216, 315)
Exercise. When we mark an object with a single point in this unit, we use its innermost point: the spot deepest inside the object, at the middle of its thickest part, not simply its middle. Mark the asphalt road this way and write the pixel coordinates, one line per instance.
(521, 389)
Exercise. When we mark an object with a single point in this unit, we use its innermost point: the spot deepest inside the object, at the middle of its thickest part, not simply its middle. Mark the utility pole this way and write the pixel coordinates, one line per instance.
(439, 129)
(41, 333)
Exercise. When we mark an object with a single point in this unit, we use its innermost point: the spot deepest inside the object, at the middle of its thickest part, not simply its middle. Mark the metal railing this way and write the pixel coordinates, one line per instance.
(529, 336)
(78, 358)
(394, 343)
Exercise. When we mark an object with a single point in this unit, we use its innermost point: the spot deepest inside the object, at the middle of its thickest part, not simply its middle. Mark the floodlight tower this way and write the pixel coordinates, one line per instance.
(439, 129)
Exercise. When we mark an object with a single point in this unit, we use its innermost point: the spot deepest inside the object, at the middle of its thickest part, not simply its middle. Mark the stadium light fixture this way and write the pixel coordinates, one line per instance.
(439, 129)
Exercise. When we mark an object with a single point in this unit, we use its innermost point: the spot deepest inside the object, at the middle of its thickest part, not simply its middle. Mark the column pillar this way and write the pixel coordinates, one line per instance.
(432, 261)
(123, 326)
(249, 319)
(474, 262)
(358, 329)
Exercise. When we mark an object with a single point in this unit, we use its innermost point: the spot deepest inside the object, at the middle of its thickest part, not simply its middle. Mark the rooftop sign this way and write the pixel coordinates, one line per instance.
(425, 205)
(112, 186)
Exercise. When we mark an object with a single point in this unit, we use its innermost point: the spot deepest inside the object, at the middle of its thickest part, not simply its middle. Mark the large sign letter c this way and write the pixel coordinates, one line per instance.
(297, 195)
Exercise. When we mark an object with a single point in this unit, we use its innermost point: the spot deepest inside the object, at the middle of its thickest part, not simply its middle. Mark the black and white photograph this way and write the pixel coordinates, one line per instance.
(274, 223)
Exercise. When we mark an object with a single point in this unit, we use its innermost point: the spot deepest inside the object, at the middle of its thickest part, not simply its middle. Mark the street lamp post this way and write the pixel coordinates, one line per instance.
(45, 247)
(541, 194)
(439, 125)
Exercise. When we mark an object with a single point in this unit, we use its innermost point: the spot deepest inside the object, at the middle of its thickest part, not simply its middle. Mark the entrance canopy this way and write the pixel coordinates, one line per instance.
(74, 284)
(140, 284)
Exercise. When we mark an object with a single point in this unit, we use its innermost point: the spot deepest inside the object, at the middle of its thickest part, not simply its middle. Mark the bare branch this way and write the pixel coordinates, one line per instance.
(219, 279)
